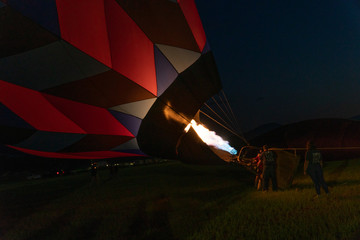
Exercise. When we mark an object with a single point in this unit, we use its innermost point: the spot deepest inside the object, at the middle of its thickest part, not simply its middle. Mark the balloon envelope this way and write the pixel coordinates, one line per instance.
(101, 78)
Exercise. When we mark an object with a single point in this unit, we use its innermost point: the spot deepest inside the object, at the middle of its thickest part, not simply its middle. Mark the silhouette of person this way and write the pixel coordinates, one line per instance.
(93, 173)
(259, 170)
(313, 167)
(269, 168)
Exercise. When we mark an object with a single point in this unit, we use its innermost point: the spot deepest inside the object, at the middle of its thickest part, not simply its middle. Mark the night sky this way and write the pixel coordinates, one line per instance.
(286, 61)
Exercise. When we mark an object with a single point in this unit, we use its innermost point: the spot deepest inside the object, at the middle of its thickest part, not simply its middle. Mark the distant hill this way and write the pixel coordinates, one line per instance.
(261, 130)
(326, 133)
(356, 118)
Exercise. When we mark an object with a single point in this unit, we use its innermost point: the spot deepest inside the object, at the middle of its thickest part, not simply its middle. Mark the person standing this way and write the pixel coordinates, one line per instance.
(93, 173)
(259, 170)
(269, 168)
(313, 167)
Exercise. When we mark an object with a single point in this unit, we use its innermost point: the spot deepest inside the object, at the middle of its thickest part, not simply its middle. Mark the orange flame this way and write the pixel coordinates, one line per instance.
(210, 137)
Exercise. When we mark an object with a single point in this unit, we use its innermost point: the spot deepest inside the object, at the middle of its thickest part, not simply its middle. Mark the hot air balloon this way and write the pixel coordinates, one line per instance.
(104, 79)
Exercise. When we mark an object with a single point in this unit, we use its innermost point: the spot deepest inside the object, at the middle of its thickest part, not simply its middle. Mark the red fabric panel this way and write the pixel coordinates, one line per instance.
(132, 53)
(106, 154)
(162, 21)
(94, 120)
(31, 106)
(82, 23)
(84, 155)
(192, 16)
(46, 154)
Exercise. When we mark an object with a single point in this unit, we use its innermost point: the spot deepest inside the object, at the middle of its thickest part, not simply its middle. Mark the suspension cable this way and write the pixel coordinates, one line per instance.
(225, 105)
(222, 110)
(228, 111)
(236, 121)
(241, 137)
(219, 117)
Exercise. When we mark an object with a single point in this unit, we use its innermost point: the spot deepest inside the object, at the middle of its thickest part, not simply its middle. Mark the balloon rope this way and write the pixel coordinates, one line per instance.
(241, 137)
(223, 111)
(225, 105)
(236, 120)
(219, 117)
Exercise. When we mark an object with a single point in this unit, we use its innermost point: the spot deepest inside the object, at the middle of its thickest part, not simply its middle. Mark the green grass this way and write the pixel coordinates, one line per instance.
(178, 201)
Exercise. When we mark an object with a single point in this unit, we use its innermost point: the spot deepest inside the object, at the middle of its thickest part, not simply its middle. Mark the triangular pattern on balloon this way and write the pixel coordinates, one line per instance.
(130, 122)
(13, 135)
(42, 12)
(96, 142)
(138, 109)
(134, 151)
(83, 24)
(106, 89)
(7, 150)
(206, 48)
(9, 118)
(162, 21)
(92, 119)
(193, 19)
(104, 154)
(20, 34)
(132, 52)
(49, 66)
(35, 109)
(165, 72)
(180, 58)
(130, 145)
(50, 141)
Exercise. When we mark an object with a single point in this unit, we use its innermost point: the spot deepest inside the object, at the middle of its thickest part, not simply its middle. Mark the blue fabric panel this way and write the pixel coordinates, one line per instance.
(50, 141)
(165, 72)
(206, 48)
(8, 118)
(40, 11)
(130, 122)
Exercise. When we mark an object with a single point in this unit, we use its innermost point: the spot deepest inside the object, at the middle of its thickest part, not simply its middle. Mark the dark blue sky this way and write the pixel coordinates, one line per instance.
(286, 61)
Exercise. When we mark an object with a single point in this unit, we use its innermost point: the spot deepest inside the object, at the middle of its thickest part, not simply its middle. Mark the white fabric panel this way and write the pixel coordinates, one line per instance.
(138, 109)
(180, 58)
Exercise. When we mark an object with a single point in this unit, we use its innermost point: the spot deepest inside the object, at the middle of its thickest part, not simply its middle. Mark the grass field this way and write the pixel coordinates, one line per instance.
(177, 201)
